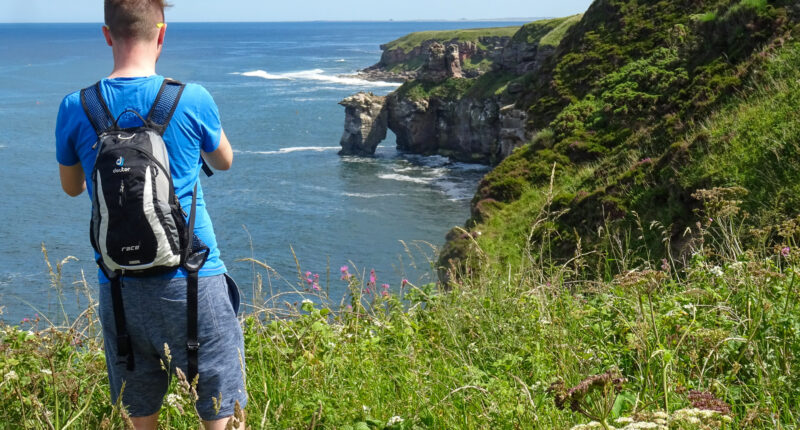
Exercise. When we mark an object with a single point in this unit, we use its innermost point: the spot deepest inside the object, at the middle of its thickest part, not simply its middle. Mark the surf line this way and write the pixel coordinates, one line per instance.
(317, 75)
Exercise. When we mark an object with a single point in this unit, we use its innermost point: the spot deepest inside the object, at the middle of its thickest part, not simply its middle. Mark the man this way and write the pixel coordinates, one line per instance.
(155, 307)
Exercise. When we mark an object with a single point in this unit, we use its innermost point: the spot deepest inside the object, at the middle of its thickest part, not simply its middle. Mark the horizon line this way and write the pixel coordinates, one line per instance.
(509, 19)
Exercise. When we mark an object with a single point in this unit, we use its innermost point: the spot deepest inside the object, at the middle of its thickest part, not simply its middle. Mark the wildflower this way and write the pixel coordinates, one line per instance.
(344, 269)
(394, 421)
(173, 400)
(308, 274)
(307, 302)
(404, 282)
(316, 287)
(372, 277)
(716, 271)
(10, 376)
(706, 401)
(46, 371)
(385, 286)
(385, 293)
(665, 265)
(785, 252)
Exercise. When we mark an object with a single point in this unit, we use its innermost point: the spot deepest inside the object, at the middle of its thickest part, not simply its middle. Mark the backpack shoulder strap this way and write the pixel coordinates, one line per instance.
(96, 109)
(164, 107)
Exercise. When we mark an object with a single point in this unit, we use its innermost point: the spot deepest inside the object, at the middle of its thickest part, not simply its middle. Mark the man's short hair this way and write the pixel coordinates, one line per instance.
(134, 19)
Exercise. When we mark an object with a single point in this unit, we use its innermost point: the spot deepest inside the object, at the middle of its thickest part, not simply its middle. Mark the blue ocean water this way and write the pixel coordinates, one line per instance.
(277, 86)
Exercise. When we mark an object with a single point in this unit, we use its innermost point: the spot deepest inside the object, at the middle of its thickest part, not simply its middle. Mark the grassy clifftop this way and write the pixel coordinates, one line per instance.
(409, 42)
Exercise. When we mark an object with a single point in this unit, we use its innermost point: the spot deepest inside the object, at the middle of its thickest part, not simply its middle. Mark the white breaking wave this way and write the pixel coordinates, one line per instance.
(370, 196)
(292, 149)
(404, 178)
(318, 75)
(341, 60)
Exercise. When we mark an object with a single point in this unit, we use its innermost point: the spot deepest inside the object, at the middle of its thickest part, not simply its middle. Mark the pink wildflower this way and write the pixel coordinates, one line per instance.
(344, 269)
(404, 282)
(785, 252)
(385, 286)
(316, 287)
(385, 294)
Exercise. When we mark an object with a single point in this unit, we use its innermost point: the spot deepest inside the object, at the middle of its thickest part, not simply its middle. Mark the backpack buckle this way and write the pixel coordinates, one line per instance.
(192, 346)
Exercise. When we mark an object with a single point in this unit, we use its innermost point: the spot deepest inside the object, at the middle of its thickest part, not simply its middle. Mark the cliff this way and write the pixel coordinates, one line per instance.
(403, 59)
(658, 125)
(447, 110)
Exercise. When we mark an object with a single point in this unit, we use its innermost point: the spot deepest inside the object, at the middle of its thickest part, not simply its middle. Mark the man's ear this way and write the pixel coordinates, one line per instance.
(107, 34)
(161, 33)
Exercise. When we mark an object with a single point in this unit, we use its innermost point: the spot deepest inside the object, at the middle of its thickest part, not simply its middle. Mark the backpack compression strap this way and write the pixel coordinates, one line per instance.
(96, 109)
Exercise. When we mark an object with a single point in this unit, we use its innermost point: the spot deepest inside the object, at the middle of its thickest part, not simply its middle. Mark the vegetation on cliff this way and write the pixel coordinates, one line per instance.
(413, 40)
(637, 114)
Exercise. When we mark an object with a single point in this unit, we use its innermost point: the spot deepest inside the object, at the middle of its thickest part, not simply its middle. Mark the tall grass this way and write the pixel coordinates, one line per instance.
(717, 328)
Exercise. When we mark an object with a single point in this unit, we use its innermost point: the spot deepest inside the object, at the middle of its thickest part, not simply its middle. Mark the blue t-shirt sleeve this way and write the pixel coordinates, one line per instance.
(66, 132)
(206, 118)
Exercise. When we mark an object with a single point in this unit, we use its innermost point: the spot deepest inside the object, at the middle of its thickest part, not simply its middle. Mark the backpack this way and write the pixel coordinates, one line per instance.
(138, 227)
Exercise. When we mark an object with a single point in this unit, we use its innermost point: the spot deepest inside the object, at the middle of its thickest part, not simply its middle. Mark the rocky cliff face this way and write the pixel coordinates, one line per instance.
(477, 129)
(365, 124)
(399, 65)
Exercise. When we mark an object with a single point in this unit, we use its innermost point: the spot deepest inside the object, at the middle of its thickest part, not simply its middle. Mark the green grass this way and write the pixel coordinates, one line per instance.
(481, 355)
(554, 37)
(413, 40)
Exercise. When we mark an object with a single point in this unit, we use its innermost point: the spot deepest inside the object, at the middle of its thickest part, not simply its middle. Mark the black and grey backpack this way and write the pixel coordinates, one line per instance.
(138, 227)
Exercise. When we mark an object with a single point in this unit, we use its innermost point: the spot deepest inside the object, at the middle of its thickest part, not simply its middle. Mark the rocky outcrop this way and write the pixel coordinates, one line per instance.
(435, 116)
(442, 63)
(397, 65)
(469, 129)
(522, 57)
(365, 124)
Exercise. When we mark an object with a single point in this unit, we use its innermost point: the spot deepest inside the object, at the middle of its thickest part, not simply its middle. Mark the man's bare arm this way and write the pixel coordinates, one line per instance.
(73, 180)
(222, 157)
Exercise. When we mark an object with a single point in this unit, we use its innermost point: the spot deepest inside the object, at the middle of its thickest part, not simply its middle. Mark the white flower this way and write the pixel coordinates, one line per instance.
(307, 301)
(624, 420)
(716, 271)
(173, 400)
(394, 421)
(46, 371)
(642, 425)
(10, 376)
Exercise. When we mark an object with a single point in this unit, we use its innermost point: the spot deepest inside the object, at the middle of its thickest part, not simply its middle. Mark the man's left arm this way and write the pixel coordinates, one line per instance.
(73, 181)
(222, 157)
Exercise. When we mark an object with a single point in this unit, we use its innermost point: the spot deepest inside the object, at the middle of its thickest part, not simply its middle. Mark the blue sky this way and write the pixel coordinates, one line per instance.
(298, 10)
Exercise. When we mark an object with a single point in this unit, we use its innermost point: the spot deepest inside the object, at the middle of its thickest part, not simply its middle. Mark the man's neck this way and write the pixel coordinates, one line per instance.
(134, 60)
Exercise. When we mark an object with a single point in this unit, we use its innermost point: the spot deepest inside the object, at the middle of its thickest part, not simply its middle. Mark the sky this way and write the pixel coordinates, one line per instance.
(299, 10)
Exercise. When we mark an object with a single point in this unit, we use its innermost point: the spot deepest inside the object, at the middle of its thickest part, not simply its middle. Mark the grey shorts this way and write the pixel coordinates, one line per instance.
(155, 311)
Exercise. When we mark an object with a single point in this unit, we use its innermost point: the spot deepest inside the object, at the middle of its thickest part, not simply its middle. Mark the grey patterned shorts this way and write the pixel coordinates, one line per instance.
(155, 312)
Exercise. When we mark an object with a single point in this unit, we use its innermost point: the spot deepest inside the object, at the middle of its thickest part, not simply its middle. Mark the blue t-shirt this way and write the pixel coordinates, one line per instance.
(195, 125)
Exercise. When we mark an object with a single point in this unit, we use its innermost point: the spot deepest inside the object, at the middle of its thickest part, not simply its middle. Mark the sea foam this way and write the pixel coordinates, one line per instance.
(319, 76)
(292, 149)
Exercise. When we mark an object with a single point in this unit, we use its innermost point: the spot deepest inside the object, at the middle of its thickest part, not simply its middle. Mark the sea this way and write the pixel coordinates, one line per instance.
(289, 202)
